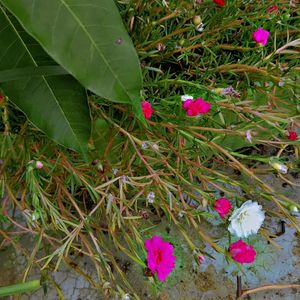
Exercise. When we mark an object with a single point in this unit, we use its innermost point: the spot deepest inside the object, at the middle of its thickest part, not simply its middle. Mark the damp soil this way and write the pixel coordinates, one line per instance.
(277, 263)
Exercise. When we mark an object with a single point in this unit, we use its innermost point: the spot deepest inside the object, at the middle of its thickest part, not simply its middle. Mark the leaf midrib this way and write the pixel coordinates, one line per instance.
(95, 45)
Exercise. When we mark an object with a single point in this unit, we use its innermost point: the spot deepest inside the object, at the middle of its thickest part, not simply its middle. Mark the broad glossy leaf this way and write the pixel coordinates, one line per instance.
(55, 104)
(88, 38)
(21, 73)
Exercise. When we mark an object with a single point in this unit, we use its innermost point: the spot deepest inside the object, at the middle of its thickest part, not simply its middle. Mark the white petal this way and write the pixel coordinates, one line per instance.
(247, 219)
(186, 97)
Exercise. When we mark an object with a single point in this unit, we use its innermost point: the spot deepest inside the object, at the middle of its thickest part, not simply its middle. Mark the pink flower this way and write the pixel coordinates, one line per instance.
(160, 257)
(187, 104)
(147, 109)
(195, 107)
(242, 252)
(292, 135)
(222, 207)
(260, 36)
(201, 106)
(39, 165)
(249, 136)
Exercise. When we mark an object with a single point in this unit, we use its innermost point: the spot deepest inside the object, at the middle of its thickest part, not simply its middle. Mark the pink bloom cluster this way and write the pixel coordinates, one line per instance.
(261, 36)
(242, 253)
(222, 207)
(195, 107)
(160, 257)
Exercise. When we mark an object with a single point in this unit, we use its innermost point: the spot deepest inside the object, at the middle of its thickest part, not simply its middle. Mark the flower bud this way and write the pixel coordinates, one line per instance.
(99, 166)
(281, 168)
(181, 42)
(201, 259)
(293, 208)
(197, 20)
(126, 297)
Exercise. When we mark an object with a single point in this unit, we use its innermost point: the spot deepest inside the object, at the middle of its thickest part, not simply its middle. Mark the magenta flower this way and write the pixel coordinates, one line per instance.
(147, 109)
(195, 107)
(222, 207)
(242, 252)
(260, 36)
(160, 257)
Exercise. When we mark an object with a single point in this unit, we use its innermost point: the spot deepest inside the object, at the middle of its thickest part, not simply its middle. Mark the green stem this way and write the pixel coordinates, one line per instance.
(20, 288)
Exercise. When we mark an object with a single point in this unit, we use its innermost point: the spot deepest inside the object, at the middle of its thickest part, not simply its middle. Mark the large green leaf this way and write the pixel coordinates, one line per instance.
(88, 38)
(55, 104)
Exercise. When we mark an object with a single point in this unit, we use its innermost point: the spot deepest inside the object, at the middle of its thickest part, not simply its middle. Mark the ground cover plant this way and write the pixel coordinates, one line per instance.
(118, 115)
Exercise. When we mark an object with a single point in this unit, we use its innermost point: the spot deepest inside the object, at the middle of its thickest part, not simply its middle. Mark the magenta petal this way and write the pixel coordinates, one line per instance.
(187, 104)
(160, 257)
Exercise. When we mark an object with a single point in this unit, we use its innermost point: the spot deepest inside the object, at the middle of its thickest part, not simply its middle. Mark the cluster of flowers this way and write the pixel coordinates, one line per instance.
(198, 106)
(244, 221)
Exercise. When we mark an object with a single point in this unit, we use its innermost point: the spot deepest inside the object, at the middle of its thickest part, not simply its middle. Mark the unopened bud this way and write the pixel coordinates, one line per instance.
(181, 42)
(126, 297)
(197, 20)
(293, 208)
(201, 259)
(281, 168)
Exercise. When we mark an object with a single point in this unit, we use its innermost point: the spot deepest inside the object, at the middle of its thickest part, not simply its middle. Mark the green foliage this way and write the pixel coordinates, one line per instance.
(89, 41)
(57, 105)
(101, 207)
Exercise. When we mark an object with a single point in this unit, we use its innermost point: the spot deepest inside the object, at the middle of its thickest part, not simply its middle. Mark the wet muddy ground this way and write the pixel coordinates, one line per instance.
(214, 279)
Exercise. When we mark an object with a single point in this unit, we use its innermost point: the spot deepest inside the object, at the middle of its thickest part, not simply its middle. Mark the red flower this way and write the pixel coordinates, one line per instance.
(242, 252)
(219, 2)
(222, 207)
(273, 8)
(1, 98)
(147, 109)
(195, 107)
(293, 136)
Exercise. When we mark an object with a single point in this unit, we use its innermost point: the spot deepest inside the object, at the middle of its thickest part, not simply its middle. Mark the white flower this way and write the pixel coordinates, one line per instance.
(186, 97)
(247, 219)
(151, 197)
